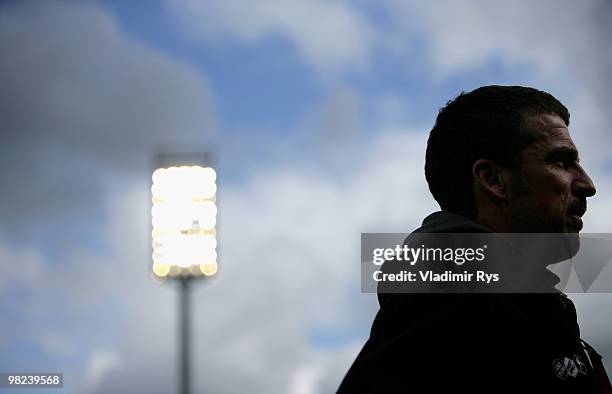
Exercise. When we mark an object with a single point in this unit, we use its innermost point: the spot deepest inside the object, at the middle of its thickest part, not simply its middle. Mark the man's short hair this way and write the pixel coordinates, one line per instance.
(485, 123)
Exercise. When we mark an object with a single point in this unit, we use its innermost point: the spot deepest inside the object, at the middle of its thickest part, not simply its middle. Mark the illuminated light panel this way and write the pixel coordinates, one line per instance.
(209, 269)
(161, 270)
(184, 218)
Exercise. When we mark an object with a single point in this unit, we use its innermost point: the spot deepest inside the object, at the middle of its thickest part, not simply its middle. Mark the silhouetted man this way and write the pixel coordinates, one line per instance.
(499, 159)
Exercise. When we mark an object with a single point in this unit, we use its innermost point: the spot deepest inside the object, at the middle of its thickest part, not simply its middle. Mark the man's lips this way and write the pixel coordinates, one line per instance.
(577, 209)
(575, 213)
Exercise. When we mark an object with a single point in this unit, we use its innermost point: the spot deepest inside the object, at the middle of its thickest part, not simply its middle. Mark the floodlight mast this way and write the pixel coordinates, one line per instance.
(184, 219)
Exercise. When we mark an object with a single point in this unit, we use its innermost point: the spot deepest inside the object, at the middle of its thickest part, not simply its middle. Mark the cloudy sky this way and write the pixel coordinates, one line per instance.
(317, 113)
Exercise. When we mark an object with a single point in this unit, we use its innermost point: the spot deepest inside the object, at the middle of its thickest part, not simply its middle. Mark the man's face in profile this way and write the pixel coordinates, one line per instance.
(552, 186)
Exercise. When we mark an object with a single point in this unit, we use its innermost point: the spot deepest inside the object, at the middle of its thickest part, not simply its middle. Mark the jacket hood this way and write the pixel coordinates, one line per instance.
(447, 222)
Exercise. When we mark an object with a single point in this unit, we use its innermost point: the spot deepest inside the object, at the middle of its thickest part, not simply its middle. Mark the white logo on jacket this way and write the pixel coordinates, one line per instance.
(569, 367)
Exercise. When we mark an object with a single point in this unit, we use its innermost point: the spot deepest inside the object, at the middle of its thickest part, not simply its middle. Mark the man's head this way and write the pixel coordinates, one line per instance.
(503, 155)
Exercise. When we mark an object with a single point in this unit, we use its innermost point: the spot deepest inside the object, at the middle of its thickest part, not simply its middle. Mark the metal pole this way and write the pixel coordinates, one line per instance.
(184, 335)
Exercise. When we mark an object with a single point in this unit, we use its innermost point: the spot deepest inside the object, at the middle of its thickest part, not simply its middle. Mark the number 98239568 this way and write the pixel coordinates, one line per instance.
(17, 380)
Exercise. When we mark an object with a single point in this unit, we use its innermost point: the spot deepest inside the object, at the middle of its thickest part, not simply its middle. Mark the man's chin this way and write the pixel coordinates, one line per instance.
(572, 243)
(573, 224)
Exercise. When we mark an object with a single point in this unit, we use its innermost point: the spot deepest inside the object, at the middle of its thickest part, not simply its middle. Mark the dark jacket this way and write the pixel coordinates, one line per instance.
(493, 343)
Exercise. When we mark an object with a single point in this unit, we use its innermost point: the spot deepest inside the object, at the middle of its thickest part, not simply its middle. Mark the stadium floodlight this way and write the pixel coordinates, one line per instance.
(184, 219)
(184, 234)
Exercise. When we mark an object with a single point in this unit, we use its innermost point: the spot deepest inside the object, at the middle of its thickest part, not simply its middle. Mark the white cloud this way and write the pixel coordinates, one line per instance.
(464, 35)
(81, 99)
(323, 370)
(330, 35)
(304, 380)
(100, 363)
(21, 265)
(559, 46)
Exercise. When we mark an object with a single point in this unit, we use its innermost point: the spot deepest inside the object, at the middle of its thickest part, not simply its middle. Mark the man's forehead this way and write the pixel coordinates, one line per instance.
(543, 122)
(551, 135)
(548, 128)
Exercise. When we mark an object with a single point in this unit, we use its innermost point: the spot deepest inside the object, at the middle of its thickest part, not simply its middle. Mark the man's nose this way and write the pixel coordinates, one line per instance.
(583, 185)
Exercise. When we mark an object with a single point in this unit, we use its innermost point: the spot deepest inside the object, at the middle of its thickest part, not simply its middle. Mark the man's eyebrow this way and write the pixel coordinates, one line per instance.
(564, 152)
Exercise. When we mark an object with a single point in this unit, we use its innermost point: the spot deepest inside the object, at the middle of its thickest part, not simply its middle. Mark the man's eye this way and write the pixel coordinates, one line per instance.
(565, 163)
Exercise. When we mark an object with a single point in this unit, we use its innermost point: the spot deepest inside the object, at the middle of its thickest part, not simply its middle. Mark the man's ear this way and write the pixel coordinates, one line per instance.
(490, 178)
